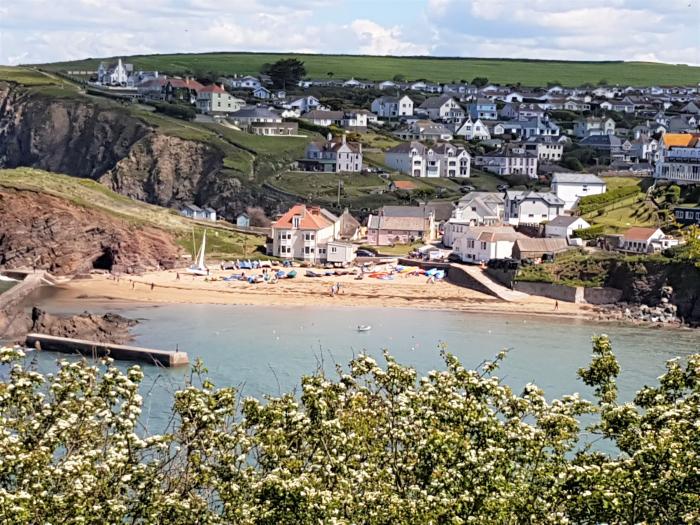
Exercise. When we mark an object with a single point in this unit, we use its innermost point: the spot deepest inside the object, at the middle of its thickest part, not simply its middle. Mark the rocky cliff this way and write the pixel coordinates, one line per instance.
(644, 283)
(48, 232)
(90, 138)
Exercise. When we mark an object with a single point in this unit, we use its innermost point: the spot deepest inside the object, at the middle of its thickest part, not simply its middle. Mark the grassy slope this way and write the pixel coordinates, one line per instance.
(528, 72)
(92, 195)
(633, 211)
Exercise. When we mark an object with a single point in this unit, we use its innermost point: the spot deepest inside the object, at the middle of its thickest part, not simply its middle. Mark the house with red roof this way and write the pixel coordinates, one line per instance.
(646, 240)
(304, 232)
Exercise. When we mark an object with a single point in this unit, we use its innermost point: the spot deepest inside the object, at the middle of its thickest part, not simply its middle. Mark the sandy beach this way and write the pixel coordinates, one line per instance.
(164, 287)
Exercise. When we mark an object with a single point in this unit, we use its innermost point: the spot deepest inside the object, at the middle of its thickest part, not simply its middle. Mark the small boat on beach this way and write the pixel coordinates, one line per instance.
(364, 327)
(199, 267)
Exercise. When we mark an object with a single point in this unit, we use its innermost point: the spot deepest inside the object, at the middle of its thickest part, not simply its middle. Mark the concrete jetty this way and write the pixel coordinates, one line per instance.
(95, 349)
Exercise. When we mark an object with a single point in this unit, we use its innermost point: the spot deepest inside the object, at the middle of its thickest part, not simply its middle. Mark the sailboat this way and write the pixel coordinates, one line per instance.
(198, 267)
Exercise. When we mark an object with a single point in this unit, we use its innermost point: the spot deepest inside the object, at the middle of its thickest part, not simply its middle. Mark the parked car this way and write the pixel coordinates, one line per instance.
(502, 187)
(365, 253)
(453, 257)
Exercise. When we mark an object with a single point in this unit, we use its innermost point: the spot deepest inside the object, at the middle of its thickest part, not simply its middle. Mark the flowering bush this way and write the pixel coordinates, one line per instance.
(377, 445)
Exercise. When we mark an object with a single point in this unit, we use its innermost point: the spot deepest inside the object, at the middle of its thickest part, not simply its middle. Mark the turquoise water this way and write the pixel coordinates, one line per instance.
(264, 351)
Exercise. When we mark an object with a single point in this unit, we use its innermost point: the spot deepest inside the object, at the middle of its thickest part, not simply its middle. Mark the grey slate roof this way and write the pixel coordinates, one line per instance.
(581, 178)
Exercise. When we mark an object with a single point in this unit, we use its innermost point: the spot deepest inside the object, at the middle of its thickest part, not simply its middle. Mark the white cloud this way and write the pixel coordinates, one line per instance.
(49, 30)
(375, 39)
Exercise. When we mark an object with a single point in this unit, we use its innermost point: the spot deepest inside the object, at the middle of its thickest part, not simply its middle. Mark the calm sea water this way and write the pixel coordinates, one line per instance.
(265, 351)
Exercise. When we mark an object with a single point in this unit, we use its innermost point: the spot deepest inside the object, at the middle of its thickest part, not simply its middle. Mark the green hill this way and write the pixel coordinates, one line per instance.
(437, 69)
(223, 240)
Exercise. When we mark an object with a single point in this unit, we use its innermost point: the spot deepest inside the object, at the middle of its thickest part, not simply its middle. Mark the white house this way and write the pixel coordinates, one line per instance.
(389, 107)
(474, 209)
(304, 233)
(479, 244)
(570, 187)
(424, 130)
(340, 252)
(304, 104)
(564, 226)
(646, 240)
(472, 130)
(335, 155)
(547, 149)
(679, 158)
(215, 99)
(117, 74)
(195, 212)
(350, 119)
(594, 126)
(531, 207)
(442, 108)
(243, 220)
(509, 162)
(418, 160)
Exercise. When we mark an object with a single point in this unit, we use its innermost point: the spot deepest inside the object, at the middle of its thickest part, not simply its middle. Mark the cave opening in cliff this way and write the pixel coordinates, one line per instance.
(104, 261)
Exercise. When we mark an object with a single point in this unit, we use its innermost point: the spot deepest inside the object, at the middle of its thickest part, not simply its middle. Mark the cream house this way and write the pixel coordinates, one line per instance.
(304, 232)
(479, 244)
(531, 207)
(215, 99)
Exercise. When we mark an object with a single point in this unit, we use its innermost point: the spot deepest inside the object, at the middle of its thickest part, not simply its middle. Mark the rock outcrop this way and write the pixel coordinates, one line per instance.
(98, 139)
(107, 328)
(43, 231)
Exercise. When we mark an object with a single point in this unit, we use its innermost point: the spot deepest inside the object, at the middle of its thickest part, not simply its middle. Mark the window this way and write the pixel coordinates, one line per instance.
(334, 249)
(308, 250)
(296, 221)
(309, 236)
(483, 245)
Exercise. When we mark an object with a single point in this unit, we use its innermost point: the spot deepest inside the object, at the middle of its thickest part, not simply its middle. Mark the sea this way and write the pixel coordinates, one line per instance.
(264, 351)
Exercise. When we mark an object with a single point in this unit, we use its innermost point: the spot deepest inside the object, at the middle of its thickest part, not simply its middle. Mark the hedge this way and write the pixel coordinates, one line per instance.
(175, 110)
(594, 202)
(590, 233)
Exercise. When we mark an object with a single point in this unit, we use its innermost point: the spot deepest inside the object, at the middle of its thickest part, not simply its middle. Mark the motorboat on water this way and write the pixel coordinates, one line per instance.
(364, 328)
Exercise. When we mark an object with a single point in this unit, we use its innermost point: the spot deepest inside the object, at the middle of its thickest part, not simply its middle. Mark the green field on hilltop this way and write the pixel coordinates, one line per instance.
(527, 72)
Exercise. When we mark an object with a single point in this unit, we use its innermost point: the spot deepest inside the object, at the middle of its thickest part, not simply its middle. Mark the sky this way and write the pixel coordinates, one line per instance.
(34, 31)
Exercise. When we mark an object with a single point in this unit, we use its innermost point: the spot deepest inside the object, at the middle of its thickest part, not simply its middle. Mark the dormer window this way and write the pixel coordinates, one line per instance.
(296, 221)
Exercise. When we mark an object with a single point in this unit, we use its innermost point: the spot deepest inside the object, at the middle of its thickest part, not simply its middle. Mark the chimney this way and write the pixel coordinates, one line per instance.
(344, 139)
(329, 137)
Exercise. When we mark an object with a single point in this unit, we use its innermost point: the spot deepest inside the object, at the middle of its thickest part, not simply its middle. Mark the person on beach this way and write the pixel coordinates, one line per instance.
(152, 286)
(556, 306)
(132, 284)
(177, 276)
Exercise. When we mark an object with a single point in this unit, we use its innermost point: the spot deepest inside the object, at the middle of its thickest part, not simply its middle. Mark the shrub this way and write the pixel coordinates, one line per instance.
(588, 234)
(176, 110)
(594, 202)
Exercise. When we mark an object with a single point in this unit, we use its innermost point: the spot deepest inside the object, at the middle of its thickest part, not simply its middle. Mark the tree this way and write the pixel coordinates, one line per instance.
(330, 74)
(480, 81)
(572, 163)
(399, 78)
(377, 444)
(286, 72)
(673, 194)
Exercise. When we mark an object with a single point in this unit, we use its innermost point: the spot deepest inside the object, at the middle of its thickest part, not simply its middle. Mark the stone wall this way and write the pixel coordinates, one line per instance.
(559, 292)
(602, 295)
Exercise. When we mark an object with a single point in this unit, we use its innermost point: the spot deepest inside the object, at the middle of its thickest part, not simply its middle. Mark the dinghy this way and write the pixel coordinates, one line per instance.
(199, 268)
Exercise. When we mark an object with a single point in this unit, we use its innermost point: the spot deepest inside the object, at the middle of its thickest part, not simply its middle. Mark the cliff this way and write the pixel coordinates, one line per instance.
(45, 231)
(99, 139)
(642, 282)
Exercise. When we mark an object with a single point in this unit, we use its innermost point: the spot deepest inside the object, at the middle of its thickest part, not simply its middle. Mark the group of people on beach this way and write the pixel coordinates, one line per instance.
(335, 289)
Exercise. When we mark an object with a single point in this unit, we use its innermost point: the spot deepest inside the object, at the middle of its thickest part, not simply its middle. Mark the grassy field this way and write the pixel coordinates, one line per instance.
(528, 72)
(25, 76)
(90, 194)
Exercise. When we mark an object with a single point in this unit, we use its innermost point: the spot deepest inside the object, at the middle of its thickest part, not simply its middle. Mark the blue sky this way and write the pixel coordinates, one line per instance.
(653, 30)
